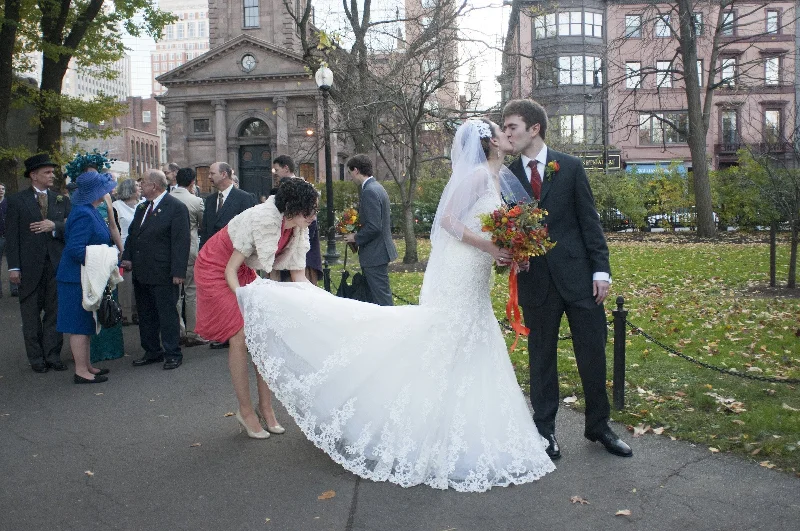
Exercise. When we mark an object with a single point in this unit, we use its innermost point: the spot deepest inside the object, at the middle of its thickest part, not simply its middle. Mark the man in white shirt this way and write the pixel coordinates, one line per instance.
(572, 279)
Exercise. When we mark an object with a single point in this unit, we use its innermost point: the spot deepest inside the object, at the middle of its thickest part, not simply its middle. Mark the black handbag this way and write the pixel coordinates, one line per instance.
(109, 314)
(358, 289)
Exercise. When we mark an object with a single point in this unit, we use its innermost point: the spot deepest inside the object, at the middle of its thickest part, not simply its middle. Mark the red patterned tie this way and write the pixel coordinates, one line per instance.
(536, 180)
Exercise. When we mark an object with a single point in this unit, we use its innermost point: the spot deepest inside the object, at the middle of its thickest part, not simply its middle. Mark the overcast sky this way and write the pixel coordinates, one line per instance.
(485, 22)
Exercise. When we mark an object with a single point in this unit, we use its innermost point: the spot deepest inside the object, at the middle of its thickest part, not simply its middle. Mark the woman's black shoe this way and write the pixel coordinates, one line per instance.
(97, 379)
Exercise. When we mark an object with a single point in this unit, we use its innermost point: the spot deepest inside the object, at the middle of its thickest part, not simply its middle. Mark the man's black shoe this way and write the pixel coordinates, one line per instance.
(39, 367)
(56, 366)
(15, 293)
(147, 361)
(172, 363)
(612, 443)
(215, 346)
(553, 450)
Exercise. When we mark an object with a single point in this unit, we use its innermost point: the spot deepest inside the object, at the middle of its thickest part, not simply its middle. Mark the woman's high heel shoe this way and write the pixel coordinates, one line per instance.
(277, 429)
(250, 433)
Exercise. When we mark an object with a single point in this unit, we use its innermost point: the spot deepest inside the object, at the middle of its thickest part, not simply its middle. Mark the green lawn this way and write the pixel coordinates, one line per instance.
(697, 298)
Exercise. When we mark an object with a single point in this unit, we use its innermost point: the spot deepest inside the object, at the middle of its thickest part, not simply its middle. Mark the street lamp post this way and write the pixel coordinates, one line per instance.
(324, 79)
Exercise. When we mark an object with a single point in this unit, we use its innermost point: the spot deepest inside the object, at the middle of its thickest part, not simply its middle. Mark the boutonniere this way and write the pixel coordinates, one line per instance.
(59, 198)
(551, 169)
(140, 206)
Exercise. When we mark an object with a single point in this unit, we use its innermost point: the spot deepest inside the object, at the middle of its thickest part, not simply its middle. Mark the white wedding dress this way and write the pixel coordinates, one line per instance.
(409, 394)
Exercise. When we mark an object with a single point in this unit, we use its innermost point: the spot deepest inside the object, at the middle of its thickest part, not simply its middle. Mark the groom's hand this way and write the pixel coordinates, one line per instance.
(350, 238)
(600, 291)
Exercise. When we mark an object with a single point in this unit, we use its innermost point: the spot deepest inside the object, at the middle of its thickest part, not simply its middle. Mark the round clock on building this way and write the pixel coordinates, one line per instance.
(248, 63)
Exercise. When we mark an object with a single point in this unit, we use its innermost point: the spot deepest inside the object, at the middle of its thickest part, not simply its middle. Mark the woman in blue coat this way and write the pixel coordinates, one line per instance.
(84, 227)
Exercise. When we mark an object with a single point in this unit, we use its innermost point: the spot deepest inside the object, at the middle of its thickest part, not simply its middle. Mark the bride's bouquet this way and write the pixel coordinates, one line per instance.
(519, 229)
(347, 223)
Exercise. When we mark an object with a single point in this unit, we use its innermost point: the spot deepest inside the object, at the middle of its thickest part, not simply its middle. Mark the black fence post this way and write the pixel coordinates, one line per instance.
(620, 315)
(326, 276)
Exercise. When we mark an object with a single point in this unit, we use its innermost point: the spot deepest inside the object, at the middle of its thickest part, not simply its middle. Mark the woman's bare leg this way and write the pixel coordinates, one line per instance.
(79, 344)
(265, 401)
(238, 365)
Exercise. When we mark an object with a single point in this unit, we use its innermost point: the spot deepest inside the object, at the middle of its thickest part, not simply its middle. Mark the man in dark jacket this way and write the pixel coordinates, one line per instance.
(34, 242)
(157, 250)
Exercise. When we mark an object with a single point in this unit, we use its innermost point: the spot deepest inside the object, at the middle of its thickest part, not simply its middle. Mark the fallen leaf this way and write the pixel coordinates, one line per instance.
(266, 521)
(790, 408)
(658, 431)
(739, 422)
(623, 512)
(571, 399)
(98, 394)
(327, 495)
(756, 451)
(641, 429)
(713, 450)
(578, 499)
(195, 445)
(767, 464)
(89, 473)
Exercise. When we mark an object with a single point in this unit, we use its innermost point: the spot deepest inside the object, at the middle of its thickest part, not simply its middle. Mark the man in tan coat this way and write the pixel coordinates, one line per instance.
(185, 193)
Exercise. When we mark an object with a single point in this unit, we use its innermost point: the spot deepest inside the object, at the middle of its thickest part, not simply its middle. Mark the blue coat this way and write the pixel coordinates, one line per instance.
(84, 227)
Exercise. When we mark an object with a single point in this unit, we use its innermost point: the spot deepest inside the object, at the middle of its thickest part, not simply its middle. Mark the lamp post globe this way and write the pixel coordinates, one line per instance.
(324, 79)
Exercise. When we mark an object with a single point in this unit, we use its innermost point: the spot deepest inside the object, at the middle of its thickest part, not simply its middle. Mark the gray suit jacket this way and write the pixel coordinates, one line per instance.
(195, 206)
(374, 238)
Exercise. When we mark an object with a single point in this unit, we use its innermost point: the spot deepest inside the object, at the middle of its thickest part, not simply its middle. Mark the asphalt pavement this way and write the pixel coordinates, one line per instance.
(158, 450)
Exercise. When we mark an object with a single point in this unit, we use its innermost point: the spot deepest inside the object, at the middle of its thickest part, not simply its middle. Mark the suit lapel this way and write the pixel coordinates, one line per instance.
(33, 204)
(548, 182)
(517, 169)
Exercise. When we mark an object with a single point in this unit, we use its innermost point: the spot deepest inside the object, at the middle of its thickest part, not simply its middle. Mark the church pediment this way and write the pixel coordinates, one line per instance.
(243, 58)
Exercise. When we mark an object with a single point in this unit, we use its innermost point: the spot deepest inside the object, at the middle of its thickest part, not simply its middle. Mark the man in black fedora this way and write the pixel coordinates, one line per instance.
(34, 240)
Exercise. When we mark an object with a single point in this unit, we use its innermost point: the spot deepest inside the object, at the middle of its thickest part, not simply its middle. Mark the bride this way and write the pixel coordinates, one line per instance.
(410, 394)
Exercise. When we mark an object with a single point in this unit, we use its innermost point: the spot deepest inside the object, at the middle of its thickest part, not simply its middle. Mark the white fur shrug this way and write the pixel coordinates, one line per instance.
(255, 233)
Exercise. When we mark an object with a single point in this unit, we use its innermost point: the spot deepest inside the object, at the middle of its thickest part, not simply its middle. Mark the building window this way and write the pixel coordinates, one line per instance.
(593, 25)
(633, 26)
(571, 70)
(730, 131)
(170, 32)
(569, 23)
(728, 28)
(594, 74)
(146, 117)
(190, 30)
(772, 126)
(699, 72)
(773, 21)
(698, 24)
(250, 13)
(662, 26)
(663, 128)
(305, 121)
(202, 125)
(570, 128)
(728, 72)
(663, 74)
(546, 74)
(544, 26)
(201, 30)
(772, 72)
(633, 75)
(254, 127)
(181, 33)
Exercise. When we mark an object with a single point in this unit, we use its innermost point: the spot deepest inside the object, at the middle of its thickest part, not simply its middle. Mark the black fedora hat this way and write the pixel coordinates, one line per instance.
(38, 161)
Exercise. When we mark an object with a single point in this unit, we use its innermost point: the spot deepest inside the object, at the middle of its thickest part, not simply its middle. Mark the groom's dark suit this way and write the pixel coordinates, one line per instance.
(561, 282)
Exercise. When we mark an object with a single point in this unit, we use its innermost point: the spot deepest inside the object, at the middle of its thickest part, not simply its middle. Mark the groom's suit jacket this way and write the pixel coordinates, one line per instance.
(574, 224)
(374, 238)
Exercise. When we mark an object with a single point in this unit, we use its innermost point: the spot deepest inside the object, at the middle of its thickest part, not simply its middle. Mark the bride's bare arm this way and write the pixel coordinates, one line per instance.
(232, 269)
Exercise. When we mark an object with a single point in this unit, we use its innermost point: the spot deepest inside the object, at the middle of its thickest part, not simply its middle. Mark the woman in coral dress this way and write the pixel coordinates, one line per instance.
(271, 235)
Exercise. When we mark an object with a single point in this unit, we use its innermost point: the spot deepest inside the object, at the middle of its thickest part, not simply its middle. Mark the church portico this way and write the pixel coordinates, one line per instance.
(244, 102)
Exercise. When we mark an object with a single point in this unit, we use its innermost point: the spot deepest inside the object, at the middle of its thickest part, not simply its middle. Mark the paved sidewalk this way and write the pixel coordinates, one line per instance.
(163, 456)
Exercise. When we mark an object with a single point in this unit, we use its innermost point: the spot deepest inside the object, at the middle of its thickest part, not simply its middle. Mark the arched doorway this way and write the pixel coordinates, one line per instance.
(255, 158)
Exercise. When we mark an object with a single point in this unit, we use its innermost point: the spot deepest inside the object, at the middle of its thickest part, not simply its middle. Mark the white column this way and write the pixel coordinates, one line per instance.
(282, 123)
(220, 131)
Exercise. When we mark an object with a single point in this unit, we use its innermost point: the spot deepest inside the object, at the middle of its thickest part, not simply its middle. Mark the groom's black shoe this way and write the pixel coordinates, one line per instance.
(612, 443)
(553, 451)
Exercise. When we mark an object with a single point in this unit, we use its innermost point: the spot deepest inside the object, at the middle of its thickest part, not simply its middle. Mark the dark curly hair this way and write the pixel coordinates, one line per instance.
(296, 197)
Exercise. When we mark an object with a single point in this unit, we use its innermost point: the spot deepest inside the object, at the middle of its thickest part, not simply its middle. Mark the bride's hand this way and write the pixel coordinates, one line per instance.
(501, 256)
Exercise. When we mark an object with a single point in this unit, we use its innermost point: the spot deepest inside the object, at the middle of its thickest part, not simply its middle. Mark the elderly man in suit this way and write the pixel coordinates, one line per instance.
(225, 204)
(571, 279)
(35, 240)
(374, 239)
(157, 250)
(187, 302)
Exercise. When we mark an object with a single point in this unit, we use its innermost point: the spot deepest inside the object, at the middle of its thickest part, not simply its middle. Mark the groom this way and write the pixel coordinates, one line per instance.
(572, 278)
